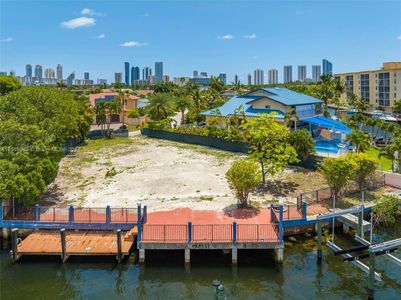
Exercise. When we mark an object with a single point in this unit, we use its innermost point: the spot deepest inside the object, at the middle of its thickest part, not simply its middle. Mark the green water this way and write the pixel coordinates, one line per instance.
(165, 277)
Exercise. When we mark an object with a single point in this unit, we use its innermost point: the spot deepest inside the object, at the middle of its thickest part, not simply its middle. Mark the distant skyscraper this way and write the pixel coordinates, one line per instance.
(101, 81)
(223, 78)
(126, 68)
(287, 74)
(118, 77)
(258, 77)
(134, 74)
(316, 73)
(49, 73)
(159, 71)
(302, 73)
(146, 73)
(166, 78)
(249, 79)
(38, 71)
(12, 73)
(195, 74)
(86, 75)
(3, 73)
(28, 70)
(71, 78)
(327, 67)
(273, 76)
(203, 74)
(236, 79)
(59, 72)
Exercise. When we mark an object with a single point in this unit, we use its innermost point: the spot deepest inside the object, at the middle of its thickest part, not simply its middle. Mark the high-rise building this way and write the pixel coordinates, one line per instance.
(70, 79)
(59, 72)
(327, 67)
(377, 88)
(258, 77)
(302, 73)
(12, 73)
(166, 78)
(249, 79)
(126, 69)
(287, 74)
(159, 71)
(38, 72)
(49, 73)
(135, 74)
(195, 74)
(146, 73)
(118, 77)
(203, 74)
(86, 75)
(3, 73)
(236, 79)
(316, 73)
(101, 81)
(223, 78)
(273, 76)
(28, 70)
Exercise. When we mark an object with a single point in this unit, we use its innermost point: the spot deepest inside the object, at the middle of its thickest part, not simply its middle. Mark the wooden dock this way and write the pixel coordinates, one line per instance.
(49, 242)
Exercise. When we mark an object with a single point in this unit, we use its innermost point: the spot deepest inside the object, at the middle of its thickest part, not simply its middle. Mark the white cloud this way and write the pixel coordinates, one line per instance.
(250, 36)
(78, 22)
(399, 37)
(100, 36)
(9, 39)
(133, 44)
(90, 12)
(226, 37)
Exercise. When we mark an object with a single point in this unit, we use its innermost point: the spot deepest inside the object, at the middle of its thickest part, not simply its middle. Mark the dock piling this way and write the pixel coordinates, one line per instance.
(319, 241)
(37, 212)
(119, 251)
(141, 255)
(14, 244)
(187, 255)
(63, 245)
(234, 255)
(371, 284)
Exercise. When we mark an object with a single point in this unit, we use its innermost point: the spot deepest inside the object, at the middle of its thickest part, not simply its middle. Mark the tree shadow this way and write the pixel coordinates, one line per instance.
(277, 188)
(51, 196)
(241, 212)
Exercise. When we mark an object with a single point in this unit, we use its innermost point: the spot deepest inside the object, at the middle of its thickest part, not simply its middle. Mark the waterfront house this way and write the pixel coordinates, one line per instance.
(131, 102)
(329, 135)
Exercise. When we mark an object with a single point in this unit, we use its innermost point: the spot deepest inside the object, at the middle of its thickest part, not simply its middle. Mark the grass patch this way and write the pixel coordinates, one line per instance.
(384, 162)
(95, 145)
(206, 198)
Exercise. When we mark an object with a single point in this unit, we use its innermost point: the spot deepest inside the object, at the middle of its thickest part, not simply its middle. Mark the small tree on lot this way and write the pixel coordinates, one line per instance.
(337, 172)
(387, 209)
(364, 167)
(243, 177)
(302, 142)
(361, 140)
(269, 144)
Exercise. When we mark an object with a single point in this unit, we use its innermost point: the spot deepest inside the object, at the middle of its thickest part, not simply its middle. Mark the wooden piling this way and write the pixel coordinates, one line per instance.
(63, 245)
(371, 284)
(119, 252)
(14, 244)
(319, 241)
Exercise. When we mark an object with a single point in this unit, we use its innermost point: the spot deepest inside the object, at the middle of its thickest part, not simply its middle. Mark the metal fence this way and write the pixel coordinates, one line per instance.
(21, 213)
(165, 233)
(90, 215)
(252, 233)
(123, 215)
(212, 233)
(53, 214)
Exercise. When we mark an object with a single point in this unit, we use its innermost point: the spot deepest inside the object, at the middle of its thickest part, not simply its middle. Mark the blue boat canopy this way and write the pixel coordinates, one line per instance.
(328, 124)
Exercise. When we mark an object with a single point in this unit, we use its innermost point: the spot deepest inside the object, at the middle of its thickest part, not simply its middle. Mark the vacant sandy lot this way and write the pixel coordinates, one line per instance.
(162, 174)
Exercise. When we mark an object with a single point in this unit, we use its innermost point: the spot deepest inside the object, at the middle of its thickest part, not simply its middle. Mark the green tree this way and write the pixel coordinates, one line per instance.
(216, 84)
(133, 113)
(397, 106)
(360, 139)
(386, 210)
(291, 116)
(8, 84)
(337, 172)
(325, 91)
(243, 177)
(393, 151)
(302, 142)
(160, 106)
(364, 168)
(182, 104)
(269, 144)
(357, 103)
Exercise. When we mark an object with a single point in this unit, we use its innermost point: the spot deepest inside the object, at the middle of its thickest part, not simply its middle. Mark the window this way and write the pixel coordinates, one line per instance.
(267, 106)
(384, 89)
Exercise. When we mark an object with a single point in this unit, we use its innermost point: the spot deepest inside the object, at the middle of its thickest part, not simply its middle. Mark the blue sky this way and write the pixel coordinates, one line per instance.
(234, 37)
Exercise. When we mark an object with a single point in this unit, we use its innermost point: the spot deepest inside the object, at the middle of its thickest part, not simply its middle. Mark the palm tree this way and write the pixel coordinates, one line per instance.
(339, 87)
(182, 104)
(372, 123)
(291, 115)
(123, 98)
(325, 91)
(160, 106)
(360, 140)
(61, 85)
(216, 84)
(100, 112)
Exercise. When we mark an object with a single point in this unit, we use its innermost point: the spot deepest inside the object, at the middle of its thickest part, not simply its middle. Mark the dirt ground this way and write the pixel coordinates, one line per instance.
(163, 175)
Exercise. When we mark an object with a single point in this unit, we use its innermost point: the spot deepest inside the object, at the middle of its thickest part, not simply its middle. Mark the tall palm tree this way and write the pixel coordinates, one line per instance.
(123, 98)
(160, 106)
(360, 140)
(182, 104)
(325, 91)
(216, 84)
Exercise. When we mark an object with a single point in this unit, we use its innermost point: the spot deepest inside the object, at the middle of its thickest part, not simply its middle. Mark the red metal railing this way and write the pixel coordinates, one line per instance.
(252, 233)
(90, 215)
(53, 214)
(123, 215)
(165, 233)
(212, 233)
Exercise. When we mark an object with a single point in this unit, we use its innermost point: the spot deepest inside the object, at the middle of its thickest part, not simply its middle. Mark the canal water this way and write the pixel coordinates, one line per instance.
(165, 277)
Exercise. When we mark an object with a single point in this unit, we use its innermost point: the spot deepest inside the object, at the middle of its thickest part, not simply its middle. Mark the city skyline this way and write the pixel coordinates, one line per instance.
(82, 37)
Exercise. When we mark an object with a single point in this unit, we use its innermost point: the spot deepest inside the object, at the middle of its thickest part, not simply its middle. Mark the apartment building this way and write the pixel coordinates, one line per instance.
(379, 88)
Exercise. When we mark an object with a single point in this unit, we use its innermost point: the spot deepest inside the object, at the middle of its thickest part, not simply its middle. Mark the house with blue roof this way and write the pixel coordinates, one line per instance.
(329, 135)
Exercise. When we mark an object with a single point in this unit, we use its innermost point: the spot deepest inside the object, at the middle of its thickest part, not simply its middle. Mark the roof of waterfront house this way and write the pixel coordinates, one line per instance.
(280, 95)
(229, 108)
(107, 96)
(288, 97)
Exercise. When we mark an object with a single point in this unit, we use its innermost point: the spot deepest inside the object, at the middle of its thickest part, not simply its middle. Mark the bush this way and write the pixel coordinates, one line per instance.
(387, 209)
(243, 177)
(133, 113)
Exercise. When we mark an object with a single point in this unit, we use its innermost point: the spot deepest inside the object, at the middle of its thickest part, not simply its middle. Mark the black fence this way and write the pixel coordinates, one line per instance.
(311, 163)
(97, 134)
